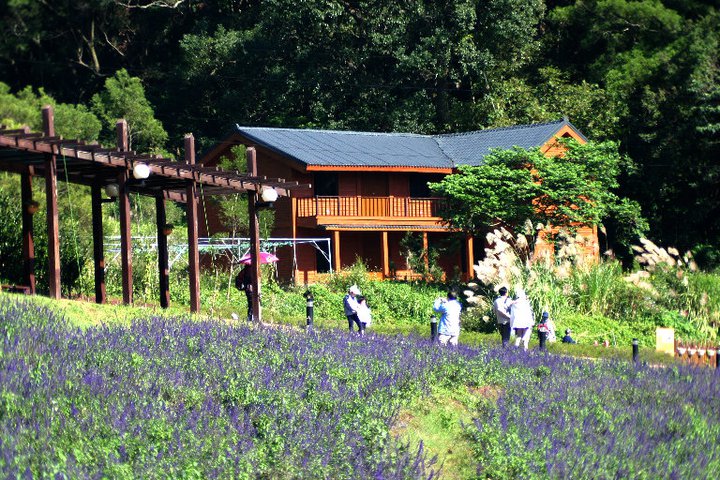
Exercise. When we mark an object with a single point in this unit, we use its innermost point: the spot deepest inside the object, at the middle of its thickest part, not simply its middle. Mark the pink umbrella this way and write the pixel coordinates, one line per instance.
(265, 257)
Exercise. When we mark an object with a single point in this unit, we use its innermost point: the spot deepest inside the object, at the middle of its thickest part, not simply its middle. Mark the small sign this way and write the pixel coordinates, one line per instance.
(665, 340)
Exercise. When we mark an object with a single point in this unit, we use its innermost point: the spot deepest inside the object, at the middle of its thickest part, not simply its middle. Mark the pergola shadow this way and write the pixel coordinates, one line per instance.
(120, 171)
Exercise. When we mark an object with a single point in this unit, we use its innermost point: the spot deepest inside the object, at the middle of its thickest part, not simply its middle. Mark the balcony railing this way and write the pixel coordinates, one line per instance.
(368, 207)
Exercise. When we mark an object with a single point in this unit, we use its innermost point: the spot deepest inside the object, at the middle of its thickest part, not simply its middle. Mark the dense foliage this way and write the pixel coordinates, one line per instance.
(643, 73)
(511, 186)
(599, 301)
(173, 397)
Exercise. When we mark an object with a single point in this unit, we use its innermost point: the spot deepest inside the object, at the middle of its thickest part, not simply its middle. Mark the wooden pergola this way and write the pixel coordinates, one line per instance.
(36, 155)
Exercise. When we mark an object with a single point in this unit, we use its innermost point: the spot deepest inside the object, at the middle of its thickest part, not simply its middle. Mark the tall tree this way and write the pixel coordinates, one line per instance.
(512, 186)
(124, 97)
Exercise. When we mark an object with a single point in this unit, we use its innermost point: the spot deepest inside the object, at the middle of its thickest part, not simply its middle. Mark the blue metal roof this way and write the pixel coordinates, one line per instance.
(367, 149)
(470, 148)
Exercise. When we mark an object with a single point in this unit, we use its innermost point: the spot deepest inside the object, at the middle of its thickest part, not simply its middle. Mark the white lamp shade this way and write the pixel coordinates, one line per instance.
(141, 171)
(269, 194)
(112, 190)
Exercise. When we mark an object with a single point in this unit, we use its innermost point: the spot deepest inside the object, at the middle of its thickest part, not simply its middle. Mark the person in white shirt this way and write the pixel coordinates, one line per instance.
(351, 305)
(501, 308)
(521, 318)
(363, 313)
(449, 309)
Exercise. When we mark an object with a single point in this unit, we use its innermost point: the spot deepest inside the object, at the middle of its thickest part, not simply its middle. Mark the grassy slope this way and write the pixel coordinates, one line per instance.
(437, 422)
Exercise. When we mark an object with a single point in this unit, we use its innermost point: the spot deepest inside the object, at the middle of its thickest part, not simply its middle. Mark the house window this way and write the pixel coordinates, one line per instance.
(326, 184)
(418, 184)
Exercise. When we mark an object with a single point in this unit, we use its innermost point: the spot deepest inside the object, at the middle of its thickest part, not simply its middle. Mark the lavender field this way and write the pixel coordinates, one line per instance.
(185, 399)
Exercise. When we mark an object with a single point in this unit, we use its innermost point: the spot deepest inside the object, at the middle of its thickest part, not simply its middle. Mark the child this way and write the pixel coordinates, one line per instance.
(567, 338)
(548, 326)
(363, 314)
(543, 329)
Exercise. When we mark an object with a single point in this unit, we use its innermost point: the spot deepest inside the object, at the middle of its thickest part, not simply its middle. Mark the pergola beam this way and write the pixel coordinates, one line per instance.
(88, 163)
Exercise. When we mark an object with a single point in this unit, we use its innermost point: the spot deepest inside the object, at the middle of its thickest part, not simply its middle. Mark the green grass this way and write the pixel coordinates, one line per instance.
(85, 314)
(437, 421)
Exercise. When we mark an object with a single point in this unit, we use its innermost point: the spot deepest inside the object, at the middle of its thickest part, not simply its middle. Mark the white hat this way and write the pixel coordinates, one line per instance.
(354, 290)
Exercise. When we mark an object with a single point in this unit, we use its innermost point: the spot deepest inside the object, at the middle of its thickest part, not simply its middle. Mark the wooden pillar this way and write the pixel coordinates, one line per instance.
(98, 250)
(470, 251)
(254, 237)
(192, 220)
(385, 255)
(336, 251)
(163, 257)
(124, 206)
(53, 230)
(28, 245)
(426, 251)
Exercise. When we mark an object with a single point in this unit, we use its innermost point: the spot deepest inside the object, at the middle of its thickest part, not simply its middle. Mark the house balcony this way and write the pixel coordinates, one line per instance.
(359, 210)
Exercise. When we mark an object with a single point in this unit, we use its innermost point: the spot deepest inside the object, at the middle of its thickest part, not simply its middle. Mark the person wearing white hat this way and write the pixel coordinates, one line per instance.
(521, 318)
(567, 338)
(351, 307)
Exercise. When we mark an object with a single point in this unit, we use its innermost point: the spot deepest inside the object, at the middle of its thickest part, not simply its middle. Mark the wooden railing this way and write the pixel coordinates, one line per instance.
(368, 207)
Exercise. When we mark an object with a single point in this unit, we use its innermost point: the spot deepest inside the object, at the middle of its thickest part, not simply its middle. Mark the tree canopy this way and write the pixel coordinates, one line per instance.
(643, 73)
(512, 186)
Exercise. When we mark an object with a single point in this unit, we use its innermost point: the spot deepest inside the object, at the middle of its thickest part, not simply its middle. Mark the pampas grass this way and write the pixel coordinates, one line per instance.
(668, 288)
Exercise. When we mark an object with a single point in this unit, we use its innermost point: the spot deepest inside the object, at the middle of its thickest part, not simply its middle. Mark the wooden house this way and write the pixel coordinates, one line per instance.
(370, 189)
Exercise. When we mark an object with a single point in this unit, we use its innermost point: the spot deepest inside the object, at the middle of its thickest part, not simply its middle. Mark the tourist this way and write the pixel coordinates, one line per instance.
(501, 307)
(521, 318)
(243, 282)
(351, 306)
(545, 328)
(567, 338)
(363, 313)
(449, 309)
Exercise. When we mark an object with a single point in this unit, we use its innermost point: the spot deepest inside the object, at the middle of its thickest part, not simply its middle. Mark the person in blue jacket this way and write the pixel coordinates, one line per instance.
(449, 309)
(567, 338)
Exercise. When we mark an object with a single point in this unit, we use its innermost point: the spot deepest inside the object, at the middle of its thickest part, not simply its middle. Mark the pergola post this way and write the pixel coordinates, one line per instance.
(254, 237)
(53, 230)
(28, 246)
(192, 220)
(470, 252)
(124, 205)
(163, 258)
(385, 255)
(98, 250)
(426, 250)
(336, 251)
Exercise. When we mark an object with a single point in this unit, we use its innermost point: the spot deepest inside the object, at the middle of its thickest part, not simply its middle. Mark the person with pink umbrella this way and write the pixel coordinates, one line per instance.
(243, 280)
